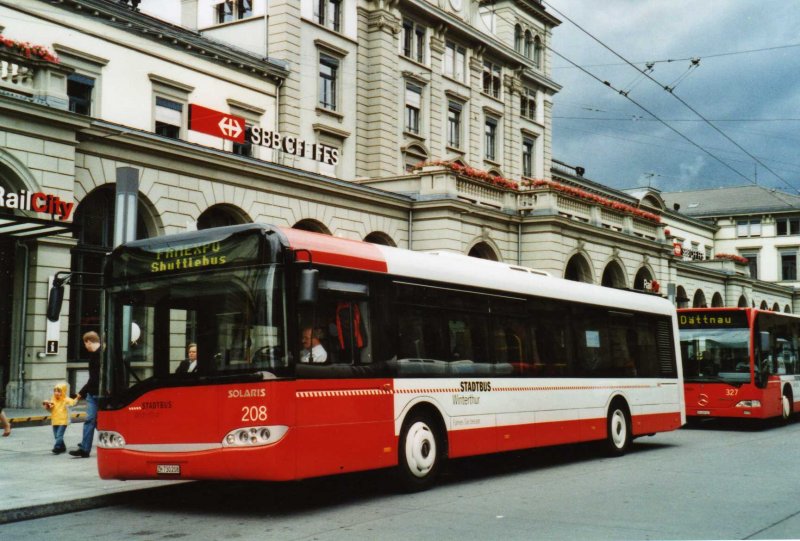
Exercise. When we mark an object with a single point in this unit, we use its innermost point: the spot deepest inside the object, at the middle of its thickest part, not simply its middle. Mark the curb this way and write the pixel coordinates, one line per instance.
(39, 420)
(70, 506)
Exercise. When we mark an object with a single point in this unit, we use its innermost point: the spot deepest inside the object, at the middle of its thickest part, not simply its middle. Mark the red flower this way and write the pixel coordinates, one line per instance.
(27, 50)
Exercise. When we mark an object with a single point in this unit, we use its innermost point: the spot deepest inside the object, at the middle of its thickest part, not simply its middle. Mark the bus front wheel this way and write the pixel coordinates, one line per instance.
(419, 453)
(618, 435)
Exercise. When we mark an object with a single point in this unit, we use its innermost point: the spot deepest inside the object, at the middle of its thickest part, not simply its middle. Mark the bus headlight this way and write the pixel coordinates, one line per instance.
(749, 404)
(110, 440)
(254, 436)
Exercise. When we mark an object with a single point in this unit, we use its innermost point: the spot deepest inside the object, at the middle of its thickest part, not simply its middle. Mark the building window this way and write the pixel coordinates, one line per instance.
(169, 117)
(527, 104)
(79, 92)
(490, 139)
(413, 107)
(491, 79)
(233, 10)
(413, 156)
(413, 40)
(537, 52)
(455, 61)
(527, 156)
(454, 124)
(788, 266)
(528, 45)
(246, 148)
(748, 228)
(328, 71)
(328, 13)
(788, 226)
(752, 263)
(518, 38)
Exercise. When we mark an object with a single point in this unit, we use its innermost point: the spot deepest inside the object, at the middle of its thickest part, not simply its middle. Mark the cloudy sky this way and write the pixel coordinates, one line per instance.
(746, 83)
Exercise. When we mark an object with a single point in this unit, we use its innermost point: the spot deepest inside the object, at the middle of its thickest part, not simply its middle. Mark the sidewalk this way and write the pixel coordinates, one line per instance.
(35, 483)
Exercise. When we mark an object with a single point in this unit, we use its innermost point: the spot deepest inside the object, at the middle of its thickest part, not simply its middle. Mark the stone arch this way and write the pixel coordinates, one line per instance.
(483, 250)
(699, 300)
(776, 307)
(15, 175)
(518, 38)
(222, 214)
(716, 300)
(681, 297)
(787, 309)
(742, 302)
(378, 237)
(614, 275)
(764, 305)
(642, 274)
(529, 49)
(94, 219)
(315, 226)
(578, 269)
(537, 51)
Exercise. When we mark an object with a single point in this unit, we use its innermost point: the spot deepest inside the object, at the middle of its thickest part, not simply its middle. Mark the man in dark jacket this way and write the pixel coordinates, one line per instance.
(190, 363)
(89, 392)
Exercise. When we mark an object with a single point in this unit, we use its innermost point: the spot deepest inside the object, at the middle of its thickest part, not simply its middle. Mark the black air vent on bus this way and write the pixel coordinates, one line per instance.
(666, 349)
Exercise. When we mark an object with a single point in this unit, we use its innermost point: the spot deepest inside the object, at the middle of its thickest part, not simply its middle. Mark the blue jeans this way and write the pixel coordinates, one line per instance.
(90, 423)
(58, 433)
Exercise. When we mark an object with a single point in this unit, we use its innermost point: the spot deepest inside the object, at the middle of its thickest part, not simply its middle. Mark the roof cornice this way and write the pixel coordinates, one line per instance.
(130, 20)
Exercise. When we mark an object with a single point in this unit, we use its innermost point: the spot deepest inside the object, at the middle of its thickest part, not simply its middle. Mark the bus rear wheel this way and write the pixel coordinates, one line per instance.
(618, 429)
(420, 453)
(786, 406)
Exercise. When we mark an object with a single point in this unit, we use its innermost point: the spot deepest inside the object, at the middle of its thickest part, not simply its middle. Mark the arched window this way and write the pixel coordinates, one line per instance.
(578, 269)
(787, 309)
(94, 217)
(518, 38)
(699, 300)
(312, 225)
(764, 305)
(376, 237)
(537, 52)
(776, 307)
(716, 301)
(529, 50)
(222, 215)
(613, 275)
(483, 251)
(642, 275)
(742, 302)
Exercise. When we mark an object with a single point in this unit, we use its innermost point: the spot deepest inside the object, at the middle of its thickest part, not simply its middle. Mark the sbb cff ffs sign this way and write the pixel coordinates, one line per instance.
(218, 124)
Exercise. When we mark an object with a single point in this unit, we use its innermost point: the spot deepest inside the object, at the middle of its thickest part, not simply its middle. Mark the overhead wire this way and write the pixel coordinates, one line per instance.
(682, 101)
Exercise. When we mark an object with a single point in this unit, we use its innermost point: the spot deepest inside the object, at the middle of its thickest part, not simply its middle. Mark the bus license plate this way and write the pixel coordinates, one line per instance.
(168, 469)
(703, 412)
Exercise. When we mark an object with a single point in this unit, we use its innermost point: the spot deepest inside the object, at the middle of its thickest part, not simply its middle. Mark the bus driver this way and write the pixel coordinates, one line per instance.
(312, 351)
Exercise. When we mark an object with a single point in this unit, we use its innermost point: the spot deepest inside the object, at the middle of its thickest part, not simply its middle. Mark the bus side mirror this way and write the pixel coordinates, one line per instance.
(309, 285)
(54, 301)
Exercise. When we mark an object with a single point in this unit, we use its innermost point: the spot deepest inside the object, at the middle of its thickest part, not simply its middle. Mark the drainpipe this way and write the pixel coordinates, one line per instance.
(410, 229)
(23, 316)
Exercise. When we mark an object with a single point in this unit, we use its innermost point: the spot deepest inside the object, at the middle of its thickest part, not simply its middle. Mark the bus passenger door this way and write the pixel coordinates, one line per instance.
(344, 406)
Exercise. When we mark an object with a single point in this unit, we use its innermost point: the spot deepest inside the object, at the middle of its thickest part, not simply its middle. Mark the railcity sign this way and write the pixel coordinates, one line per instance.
(234, 128)
(41, 202)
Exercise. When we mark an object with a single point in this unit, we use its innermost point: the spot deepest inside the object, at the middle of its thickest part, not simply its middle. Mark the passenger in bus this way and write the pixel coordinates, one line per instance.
(312, 351)
(190, 363)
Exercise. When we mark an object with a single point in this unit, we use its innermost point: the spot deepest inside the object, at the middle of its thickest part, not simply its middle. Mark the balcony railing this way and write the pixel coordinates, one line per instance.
(39, 80)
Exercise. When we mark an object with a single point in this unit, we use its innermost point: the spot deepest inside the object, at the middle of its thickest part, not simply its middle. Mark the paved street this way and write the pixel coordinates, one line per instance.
(717, 482)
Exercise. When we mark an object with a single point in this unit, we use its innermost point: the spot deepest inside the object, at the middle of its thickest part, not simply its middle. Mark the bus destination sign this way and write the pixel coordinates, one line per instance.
(712, 320)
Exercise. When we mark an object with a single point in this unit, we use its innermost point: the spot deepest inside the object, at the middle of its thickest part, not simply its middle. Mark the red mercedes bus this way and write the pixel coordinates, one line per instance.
(740, 362)
(317, 355)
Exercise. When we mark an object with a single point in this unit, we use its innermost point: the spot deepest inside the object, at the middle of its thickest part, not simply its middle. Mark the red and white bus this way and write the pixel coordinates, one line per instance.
(417, 357)
(740, 362)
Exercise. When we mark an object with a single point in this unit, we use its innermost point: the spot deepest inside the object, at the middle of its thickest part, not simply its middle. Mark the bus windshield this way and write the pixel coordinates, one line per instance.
(716, 355)
(195, 327)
